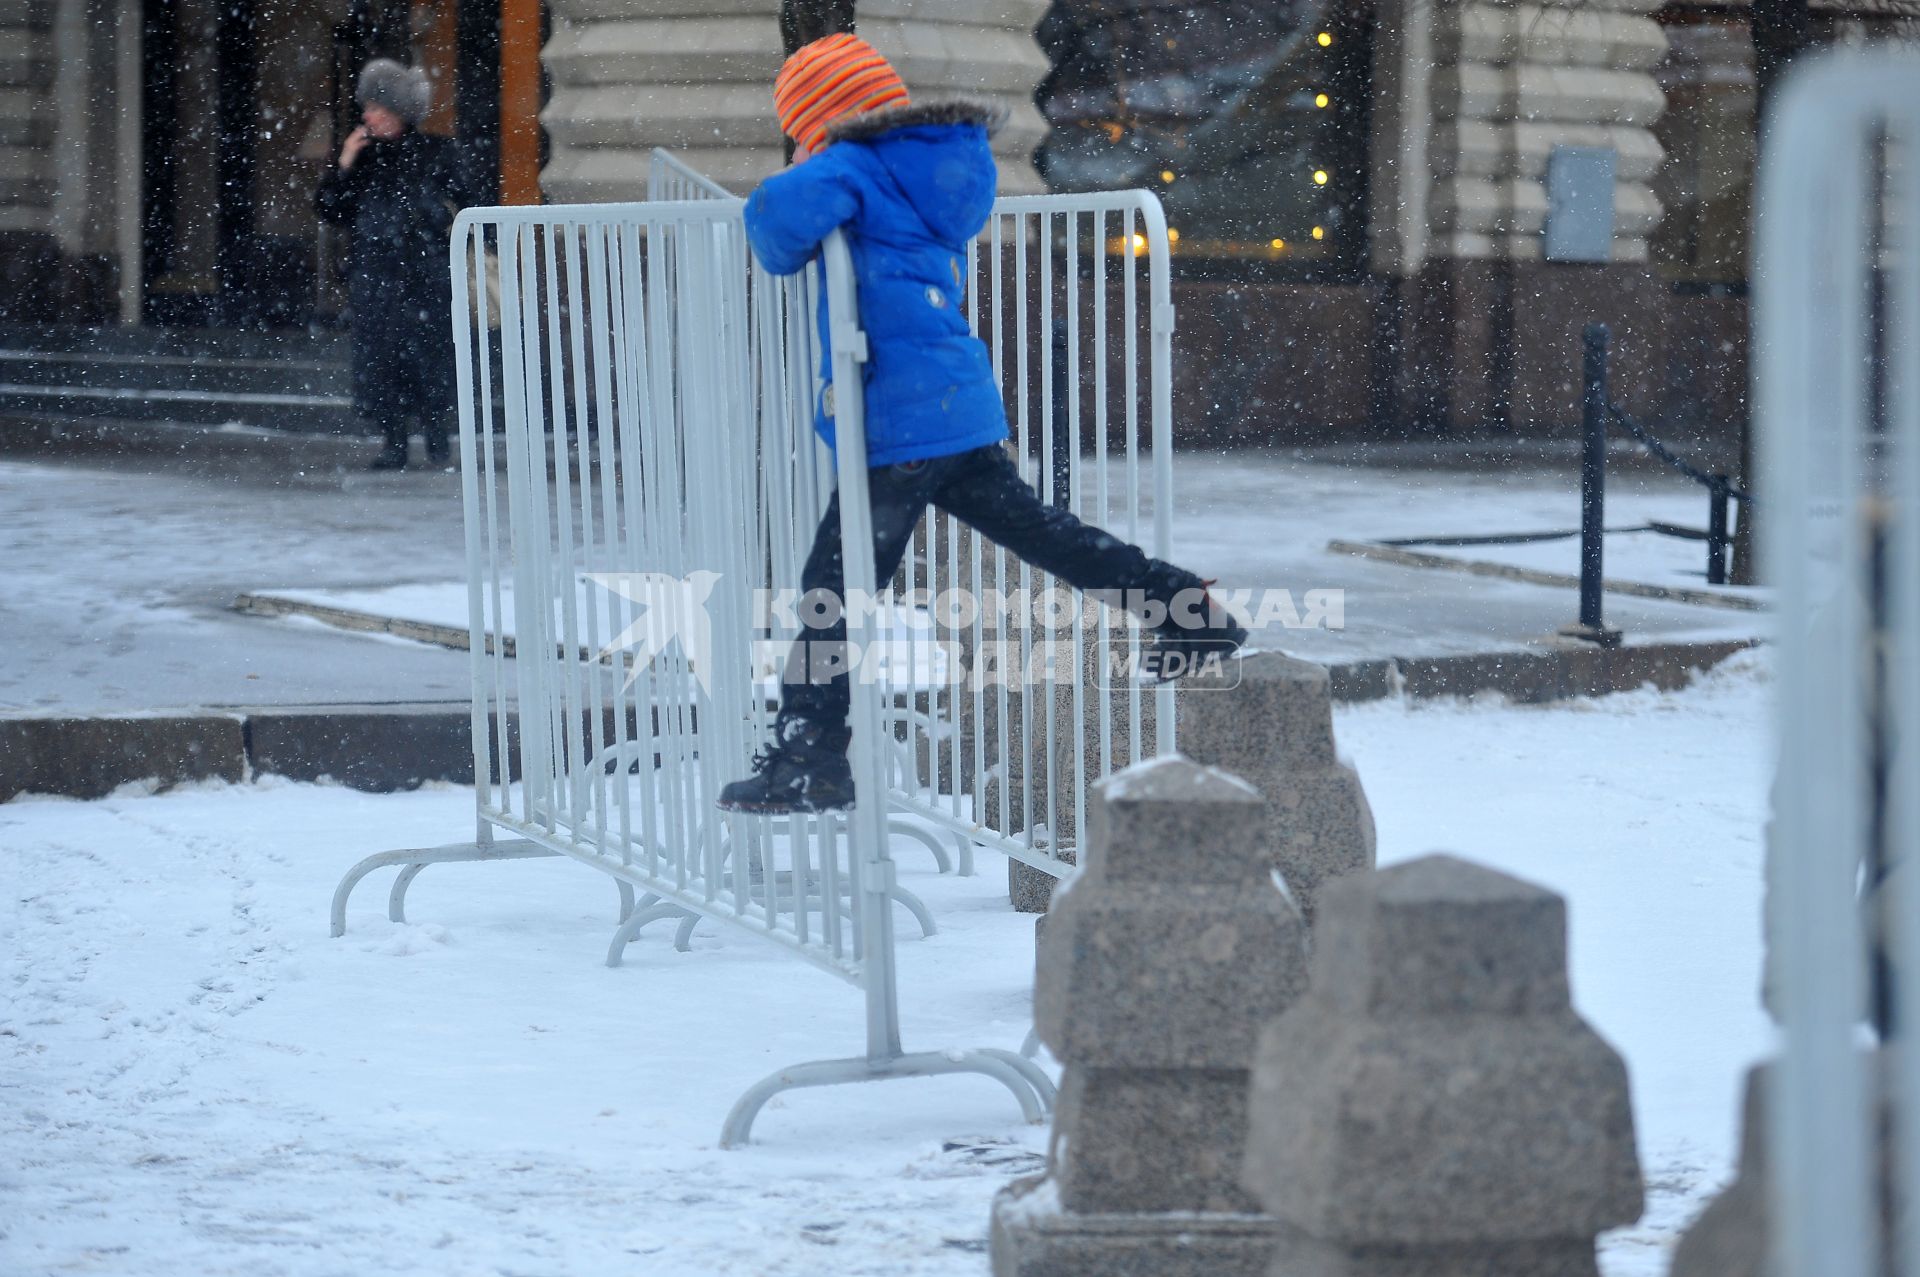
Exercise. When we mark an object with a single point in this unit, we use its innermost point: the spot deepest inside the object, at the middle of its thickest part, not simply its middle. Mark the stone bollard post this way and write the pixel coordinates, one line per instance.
(1434, 1107)
(1732, 1236)
(1274, 728)
(1162, 957)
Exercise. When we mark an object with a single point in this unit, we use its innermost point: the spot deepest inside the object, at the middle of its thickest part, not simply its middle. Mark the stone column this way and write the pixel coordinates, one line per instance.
(1434, 1107)
(697, 76)
(1269, 719)
(1471, 96)
(1158, 966)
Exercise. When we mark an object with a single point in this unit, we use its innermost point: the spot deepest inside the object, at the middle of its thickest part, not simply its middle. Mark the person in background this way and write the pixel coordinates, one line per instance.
(398, 190)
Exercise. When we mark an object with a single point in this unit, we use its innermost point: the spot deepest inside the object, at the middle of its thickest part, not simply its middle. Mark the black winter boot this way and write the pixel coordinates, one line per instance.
(1180, 649)
(804, 769)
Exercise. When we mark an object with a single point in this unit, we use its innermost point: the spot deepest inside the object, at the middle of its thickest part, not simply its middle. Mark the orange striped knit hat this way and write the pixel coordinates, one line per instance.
(834, 76)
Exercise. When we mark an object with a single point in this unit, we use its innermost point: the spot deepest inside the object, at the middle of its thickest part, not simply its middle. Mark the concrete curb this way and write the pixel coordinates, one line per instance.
(370, 747)
(1563, 671)
(382, 748)
(1534, 576)
(449, 636)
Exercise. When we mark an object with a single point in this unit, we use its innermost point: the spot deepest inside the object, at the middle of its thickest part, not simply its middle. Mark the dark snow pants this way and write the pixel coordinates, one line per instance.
(984, 490)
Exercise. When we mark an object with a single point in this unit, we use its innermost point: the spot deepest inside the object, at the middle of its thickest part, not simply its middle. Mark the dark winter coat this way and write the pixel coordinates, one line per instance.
(399, 200)
(912, 185)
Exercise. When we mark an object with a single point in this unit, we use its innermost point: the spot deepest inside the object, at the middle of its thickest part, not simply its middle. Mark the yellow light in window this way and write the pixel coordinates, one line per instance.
(1166, 175)
(1279, 243)
(1326, 39)
(1319, 177)
(1139, 244)
(1322, 101)
(1173, 235)
(1319, 232)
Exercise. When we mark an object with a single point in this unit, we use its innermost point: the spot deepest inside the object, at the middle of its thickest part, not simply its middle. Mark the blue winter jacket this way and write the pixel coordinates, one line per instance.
(912, 186)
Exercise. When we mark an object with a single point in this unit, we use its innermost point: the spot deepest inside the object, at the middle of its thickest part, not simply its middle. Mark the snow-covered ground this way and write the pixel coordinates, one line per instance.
(197, 1080)
(134, 612)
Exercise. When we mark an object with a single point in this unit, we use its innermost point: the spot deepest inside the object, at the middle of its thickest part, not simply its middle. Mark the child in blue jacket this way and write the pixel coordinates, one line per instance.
(912, 186)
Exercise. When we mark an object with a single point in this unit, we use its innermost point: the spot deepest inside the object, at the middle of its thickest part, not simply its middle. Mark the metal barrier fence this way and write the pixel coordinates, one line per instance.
(670, 178)
(1838, 398)
(641, 467)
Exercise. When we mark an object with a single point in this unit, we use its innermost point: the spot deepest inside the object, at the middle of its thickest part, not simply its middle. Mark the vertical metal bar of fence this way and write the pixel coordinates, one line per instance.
(520, 303)
(637, 492)
(1903, 654)
(1078, 670)
(874, 866)
(1130, 362)
(1160, 325)
(470, 312)
(1811, 402)
(1102, 486)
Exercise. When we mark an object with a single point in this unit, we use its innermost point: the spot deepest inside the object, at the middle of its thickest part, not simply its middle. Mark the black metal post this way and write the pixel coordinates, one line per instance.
(1593, 488)
(1717, 499)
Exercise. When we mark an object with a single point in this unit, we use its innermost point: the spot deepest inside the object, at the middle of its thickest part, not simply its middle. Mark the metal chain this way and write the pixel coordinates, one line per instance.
(1666, 454)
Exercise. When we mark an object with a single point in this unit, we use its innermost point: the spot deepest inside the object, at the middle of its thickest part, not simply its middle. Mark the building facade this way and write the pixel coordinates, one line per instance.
(1364, 190)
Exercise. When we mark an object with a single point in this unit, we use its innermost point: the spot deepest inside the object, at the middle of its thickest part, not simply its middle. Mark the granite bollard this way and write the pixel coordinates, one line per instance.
(1732, 1236)
(1434, 1106)
(1268, 719)
(1161, 958)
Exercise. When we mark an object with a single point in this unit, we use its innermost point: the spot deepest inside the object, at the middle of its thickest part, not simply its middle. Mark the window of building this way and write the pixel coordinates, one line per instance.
(1706, 184)
(1249, 120)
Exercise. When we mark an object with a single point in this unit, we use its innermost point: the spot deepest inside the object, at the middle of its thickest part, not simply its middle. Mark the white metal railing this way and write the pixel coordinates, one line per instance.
(669, 179)
(636, 427)
(1837, 381)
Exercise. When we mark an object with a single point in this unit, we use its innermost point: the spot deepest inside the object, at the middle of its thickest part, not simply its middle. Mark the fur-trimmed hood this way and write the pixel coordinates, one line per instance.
(869, 125)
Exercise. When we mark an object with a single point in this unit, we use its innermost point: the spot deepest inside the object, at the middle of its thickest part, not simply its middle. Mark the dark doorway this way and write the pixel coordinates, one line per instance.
(244, 105)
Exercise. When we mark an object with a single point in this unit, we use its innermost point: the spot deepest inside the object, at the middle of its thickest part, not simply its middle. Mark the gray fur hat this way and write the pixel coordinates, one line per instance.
(401, 89)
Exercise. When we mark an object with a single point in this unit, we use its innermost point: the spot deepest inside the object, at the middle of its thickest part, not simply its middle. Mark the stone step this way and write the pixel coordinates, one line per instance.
(288, 380)
(302, 413)
(105, 371)
(317, 345)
